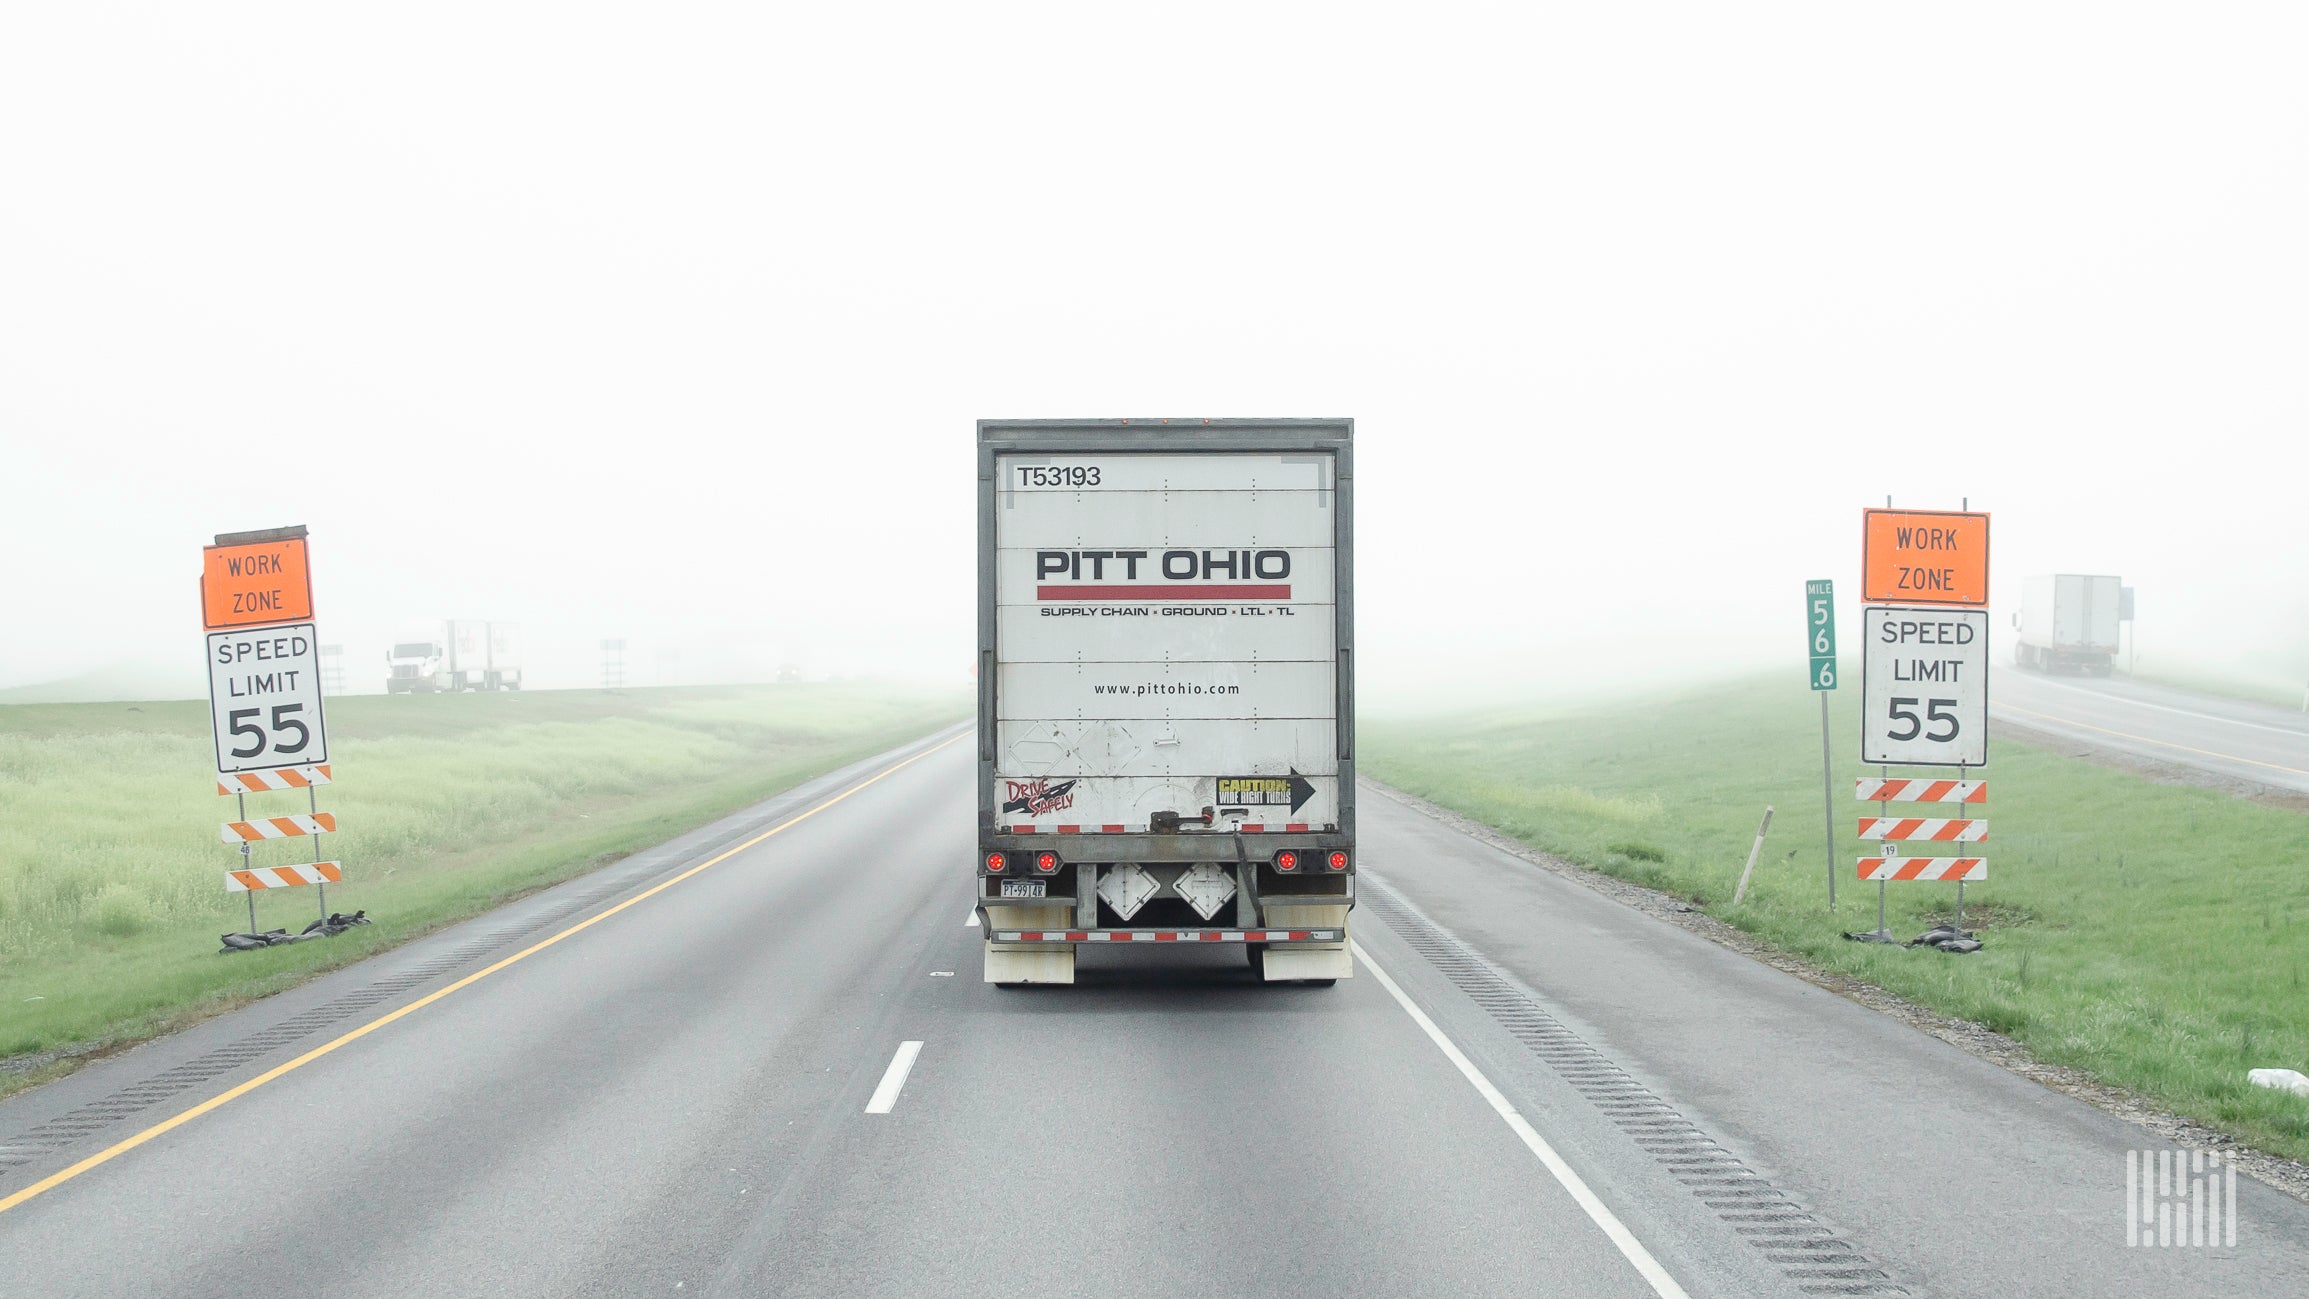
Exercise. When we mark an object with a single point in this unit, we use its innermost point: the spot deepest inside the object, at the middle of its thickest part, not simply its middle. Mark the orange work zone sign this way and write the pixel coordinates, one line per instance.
(1923, 557)
(255, 583)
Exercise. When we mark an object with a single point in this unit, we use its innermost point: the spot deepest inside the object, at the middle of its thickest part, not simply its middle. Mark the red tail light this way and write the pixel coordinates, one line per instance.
(1286, 860)
(1338, 861)
(1047, 862)
(994, 862)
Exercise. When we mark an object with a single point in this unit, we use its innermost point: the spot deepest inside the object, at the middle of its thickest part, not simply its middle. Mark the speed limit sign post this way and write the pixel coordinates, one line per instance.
(264, 689)
(1923, 688)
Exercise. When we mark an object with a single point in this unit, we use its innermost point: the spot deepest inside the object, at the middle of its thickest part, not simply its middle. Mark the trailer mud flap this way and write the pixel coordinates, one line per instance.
(1028, 962)
(1307, 960)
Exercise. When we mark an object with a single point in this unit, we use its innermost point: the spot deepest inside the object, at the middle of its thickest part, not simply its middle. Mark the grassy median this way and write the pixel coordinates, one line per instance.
(111, 873)
(2151, 934)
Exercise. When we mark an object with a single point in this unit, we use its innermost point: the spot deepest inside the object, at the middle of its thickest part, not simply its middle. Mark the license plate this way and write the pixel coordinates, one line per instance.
(1024, 888)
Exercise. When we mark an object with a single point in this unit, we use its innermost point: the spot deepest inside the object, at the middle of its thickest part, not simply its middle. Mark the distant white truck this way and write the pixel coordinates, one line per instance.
(473, 655)
(1166, 721)
(2068, 623)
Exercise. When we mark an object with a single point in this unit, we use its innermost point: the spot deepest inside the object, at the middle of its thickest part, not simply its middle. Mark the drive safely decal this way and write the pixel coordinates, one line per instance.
(1037, 796)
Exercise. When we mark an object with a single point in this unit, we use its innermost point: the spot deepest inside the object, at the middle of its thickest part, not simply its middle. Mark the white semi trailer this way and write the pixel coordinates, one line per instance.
(2068, 623)
(1166, 721)
(473, 655)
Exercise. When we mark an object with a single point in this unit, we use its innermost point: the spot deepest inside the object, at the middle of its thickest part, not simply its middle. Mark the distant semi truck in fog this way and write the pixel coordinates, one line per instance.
(470, 655)
(2068, 623)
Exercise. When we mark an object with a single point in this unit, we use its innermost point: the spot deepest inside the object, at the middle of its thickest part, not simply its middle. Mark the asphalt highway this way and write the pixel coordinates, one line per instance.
(2228, 737)
(759, 1061)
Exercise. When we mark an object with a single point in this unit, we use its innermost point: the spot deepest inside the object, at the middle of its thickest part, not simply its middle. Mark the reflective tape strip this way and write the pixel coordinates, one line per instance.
(283, 877)
(279, 827)
(1871, 790)
(1923, 868)
(1062, 829)
(257, 782)
(1927, 828)
(1295, 827)
(1166, 935)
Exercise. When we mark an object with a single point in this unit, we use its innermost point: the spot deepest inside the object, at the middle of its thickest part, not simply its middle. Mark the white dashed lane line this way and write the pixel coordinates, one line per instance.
(894, 1078)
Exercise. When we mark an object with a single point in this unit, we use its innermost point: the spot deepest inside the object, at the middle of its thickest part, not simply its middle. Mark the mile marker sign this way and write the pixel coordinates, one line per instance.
(1924, 687)
(1820, 632)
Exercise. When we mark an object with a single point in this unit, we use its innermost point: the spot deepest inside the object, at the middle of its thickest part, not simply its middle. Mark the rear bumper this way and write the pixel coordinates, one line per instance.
(1301, 941)
(1093, 845)
(1270, 936)
(2065, 657)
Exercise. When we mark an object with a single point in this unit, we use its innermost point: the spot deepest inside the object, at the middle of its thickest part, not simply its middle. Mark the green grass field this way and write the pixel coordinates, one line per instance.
(112, 876)
(2151, 934)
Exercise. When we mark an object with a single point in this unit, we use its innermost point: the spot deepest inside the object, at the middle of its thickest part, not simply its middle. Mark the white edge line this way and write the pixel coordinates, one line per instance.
(1632, 1249)
(2123, 701)
(894, 1078)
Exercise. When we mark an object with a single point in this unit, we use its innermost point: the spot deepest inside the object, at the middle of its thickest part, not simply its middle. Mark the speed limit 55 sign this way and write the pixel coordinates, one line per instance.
(264, 692)
(1924, 687)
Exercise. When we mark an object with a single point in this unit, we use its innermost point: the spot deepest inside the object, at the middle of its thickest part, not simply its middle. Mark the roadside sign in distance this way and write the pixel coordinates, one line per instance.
(264, 695)
(254, 583)
(1820, 632)
(1924, 687)
(1923, 557)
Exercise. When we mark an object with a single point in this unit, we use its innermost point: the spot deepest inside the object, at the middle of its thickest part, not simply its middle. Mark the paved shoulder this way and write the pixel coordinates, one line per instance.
(1946, 1174)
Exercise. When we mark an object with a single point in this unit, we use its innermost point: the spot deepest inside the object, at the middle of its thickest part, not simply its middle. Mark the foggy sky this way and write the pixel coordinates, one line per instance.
(672, 324)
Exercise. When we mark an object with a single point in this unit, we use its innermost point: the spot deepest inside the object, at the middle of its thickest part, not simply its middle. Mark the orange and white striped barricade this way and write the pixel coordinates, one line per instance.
(1959, 869)
(1926, 829)
(278, 827)
(1892, 831)
(255, 878)
(1886, 789)
(258, 782)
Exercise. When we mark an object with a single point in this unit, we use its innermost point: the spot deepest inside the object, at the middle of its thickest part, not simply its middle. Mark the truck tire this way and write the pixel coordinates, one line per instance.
(1257, 953)
(1318, 983)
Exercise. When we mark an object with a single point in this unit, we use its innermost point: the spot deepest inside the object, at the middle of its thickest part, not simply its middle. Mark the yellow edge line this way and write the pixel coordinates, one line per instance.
(2127, 735)
(131, 1143)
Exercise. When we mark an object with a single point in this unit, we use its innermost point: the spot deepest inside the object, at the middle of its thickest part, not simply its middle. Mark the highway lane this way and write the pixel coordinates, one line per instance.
(2229, 737)
(675, 1096)
(673, 1100)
